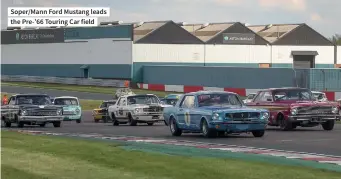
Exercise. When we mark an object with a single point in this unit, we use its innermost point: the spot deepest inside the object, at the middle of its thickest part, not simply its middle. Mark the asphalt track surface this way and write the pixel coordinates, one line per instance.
(312, 140)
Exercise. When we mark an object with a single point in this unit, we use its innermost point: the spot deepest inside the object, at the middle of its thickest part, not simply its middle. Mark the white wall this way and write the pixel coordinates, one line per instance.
(282, 54)
(338, 54)
(95, 51)
(238, 54)
(168, 53)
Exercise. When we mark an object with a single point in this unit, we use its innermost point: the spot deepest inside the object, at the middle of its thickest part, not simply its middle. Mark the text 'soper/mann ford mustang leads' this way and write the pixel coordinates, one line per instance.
(214, 113)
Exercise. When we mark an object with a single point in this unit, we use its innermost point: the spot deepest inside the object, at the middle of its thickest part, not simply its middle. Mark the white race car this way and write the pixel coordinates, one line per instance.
(320, 96)
(133, 109)
(249, 98)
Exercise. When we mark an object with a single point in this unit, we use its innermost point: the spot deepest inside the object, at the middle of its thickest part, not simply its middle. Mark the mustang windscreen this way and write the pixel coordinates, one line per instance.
(293, 95)
(218, 99)
(65, 101)
(34, 100)
(142, 100)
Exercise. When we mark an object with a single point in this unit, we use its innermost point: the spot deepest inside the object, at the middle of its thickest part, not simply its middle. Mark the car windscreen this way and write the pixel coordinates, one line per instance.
(143, 99)
(66, 101)
(33, 100)
(296, 94)
(218, 100)
(170, 101)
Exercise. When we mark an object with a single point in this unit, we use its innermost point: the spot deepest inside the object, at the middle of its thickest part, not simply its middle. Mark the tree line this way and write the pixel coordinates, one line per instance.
(336, 39)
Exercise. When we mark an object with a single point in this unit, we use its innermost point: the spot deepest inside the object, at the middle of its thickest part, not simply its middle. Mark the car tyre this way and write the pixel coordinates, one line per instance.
(150, 123)
(78, 121)
(8, 124)
(96, 120)
(42, 125)
(329, 125)
(207, 132)
(114, 121)
(57, 124)
(173, 126)
(131, 121)
(285, 125)
(221, 134)
(20, 124)
(258, 133)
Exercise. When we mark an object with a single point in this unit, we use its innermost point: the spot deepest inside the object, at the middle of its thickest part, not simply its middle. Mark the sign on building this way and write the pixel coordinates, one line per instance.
(32, 36)
(239, 38)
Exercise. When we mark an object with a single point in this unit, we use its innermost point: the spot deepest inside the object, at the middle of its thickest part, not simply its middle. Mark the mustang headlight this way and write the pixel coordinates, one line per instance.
(335, 110)
(293, 111)
(215, 116)
(59, 112)
(77, 111)
(264, 115)
(138, 110)
(23, 113)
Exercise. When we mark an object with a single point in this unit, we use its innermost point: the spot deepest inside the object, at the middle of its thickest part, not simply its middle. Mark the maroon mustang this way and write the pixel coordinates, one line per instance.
(292, 107)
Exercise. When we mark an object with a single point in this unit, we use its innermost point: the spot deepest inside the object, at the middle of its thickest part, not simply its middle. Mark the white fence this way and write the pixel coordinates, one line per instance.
(69, 81)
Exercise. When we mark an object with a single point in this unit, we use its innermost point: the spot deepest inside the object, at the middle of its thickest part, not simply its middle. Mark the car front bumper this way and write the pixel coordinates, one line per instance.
(313, 118)
(40, 118)
(72, 117)
(238, 127)
(148, 118)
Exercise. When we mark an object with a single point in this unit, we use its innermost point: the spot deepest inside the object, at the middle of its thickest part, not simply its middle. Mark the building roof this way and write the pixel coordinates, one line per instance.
(207, 31)
(273, 32)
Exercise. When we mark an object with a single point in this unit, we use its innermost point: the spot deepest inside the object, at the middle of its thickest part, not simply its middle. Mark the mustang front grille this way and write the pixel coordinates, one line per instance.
(314, 110)
(242, 116)
(153, 109)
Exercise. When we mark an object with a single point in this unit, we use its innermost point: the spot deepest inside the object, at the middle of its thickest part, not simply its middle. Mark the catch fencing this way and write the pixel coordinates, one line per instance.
(69, 81)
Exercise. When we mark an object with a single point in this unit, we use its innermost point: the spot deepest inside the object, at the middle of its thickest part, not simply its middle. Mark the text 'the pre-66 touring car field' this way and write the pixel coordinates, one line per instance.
(292, 107)
(214, 113)
(31, 109)
(133, 109)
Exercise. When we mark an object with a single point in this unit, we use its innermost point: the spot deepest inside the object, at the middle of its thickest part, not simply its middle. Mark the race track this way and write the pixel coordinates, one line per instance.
(312, 140)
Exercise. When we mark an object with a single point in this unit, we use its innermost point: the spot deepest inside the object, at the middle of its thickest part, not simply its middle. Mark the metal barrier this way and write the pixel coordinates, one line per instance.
(325, 79)
(69, 81)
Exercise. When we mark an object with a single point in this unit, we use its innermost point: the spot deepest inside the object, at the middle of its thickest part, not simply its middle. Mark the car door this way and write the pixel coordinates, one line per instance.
(11, 108)
(121, 108)
(184, 112)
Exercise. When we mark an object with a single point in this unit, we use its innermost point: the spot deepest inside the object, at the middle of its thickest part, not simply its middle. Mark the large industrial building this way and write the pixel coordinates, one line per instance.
(118, 50)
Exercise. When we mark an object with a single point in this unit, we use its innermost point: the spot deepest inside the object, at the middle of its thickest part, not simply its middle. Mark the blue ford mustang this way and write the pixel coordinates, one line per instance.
(214, 113)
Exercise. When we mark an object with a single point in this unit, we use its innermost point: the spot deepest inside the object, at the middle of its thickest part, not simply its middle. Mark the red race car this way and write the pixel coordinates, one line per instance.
(292, 107)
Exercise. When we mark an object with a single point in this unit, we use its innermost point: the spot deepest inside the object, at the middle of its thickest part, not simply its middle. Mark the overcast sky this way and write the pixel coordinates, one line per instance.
(322, 15)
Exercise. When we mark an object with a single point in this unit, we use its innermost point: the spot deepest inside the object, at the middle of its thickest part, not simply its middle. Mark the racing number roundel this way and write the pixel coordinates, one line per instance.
(187, 118)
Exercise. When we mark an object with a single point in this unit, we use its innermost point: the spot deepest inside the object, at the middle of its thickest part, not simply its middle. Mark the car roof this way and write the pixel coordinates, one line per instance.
(319, 92)
(59, 97)
(284, 88)
(31, 94)
(109, 101)
(210, 92)
(137, 95)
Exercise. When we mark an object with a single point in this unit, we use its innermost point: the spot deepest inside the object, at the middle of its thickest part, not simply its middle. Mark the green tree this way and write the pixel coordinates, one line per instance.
(336, 39)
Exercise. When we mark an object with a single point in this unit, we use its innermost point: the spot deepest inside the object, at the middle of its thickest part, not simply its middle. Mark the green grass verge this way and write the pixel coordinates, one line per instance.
(85, 104)
(26, 156)
(90, 89)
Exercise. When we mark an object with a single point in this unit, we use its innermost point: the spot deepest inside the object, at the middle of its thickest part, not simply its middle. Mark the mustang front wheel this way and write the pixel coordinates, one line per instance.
(206, 131)
(174, 128)
(258, 133)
